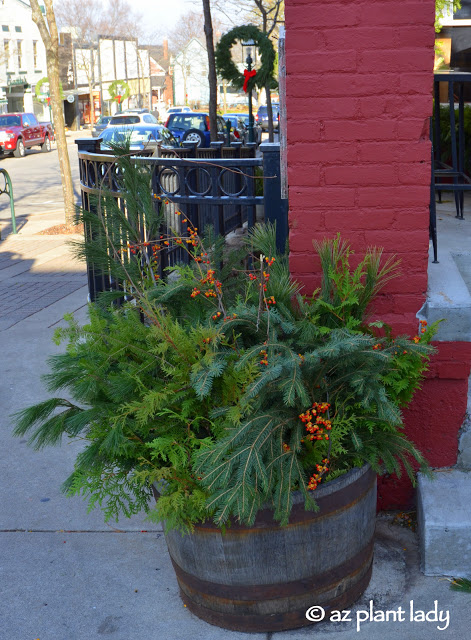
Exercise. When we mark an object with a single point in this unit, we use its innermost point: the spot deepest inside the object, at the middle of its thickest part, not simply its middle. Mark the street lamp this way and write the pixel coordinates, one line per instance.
(247, 48)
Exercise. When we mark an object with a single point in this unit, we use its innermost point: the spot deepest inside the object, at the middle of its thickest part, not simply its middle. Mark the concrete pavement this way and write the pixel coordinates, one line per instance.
(65, 575)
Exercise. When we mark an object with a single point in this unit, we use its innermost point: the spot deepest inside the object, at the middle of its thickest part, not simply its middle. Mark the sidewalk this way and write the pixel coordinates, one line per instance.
(64, 574)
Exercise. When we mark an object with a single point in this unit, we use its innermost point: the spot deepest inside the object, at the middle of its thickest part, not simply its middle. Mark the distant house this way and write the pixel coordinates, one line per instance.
(91, 67)
(190, 75)
(22, 60)
(160, 76)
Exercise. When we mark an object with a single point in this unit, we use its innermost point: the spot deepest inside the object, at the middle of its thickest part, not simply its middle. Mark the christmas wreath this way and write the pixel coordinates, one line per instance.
(119, 90)
(229, 71)
(39, 93)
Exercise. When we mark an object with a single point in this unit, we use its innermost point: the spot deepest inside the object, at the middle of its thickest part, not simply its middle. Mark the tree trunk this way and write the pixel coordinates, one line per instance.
(59, 128)
(212, 76)
(50, 38)
(92, 105)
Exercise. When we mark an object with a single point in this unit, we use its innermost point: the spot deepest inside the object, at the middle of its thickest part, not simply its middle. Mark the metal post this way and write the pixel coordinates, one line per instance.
(276, 208)
(9, 191)
(249, 68)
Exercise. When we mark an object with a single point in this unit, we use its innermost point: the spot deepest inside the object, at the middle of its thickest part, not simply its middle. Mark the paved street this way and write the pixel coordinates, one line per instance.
(36, 184)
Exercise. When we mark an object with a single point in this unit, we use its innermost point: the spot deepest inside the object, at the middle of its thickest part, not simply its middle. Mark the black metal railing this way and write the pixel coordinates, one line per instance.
(221, 187)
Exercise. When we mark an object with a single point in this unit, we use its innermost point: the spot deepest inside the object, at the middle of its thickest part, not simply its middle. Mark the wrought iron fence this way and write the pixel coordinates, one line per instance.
(214, 187)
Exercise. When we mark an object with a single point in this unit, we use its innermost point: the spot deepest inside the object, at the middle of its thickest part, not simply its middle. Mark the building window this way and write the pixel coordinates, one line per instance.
(18, 29)
(18, 51)
(6, 52)
(35, 54)
(5, 27)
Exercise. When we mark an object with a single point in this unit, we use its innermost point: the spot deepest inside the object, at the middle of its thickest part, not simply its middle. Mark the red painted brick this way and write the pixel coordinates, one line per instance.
(376, 60)
(324, 107)
(361, 219)
(367, 174)
(415, 37)
(341, 84)
(412, 106)
(301, 241)
(303, 131)
(363, 37)
(325, 15)
(302, 262)
(408, 303)
(355, 130)
(400, 196)
(305, 197)
(401, 152)
(414, 129)
(307, 40)
(320, 61)
(415, 283)
(372, 106)
(326, 152)
(416, 219)
(414, 173)
(421, 83)
(410, 241)
(303, 174)
(397, 13)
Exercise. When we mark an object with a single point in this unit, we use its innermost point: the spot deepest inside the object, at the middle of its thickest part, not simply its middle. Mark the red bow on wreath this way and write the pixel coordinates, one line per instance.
(247, 76)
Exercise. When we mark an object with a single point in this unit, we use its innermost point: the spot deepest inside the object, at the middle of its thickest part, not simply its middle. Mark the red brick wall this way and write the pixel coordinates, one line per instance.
(359, 95)
(434, 418)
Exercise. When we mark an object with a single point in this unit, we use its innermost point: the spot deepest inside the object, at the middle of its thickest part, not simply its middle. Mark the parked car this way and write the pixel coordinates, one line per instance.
(138, 137)
(170, 110)
(99, 125)
(194, 127)
(132, 118)
(240, 127)
(262, 117)
(21, 131)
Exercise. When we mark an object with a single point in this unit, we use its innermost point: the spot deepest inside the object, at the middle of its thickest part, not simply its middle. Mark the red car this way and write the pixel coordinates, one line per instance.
(20, 131)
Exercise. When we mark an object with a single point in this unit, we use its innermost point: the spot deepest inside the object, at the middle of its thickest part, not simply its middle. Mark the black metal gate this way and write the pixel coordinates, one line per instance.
(217, 187)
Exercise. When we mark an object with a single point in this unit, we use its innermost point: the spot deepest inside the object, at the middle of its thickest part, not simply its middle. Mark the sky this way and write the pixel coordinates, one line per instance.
(164, 14)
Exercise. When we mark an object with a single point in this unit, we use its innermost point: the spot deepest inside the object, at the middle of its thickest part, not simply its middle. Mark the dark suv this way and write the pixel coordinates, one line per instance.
(262, 118)
(193, 127)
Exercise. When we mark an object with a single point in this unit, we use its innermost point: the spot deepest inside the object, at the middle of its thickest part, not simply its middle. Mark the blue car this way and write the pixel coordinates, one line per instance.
(193, 127)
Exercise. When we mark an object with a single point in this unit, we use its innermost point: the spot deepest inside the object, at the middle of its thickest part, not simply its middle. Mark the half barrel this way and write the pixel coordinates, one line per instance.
(265, 577)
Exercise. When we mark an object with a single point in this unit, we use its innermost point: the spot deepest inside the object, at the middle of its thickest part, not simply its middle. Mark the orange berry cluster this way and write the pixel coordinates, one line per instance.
(269, 261)
(232, 317)
(193, 233)
(206, 340)
(264, 359)
(423, 326)
(252, 276)
(416, 339)
(201, 257)
(377, 347)
(270, 300)
(217, 315)
(317, 477)
(286, 447)
(315, 423)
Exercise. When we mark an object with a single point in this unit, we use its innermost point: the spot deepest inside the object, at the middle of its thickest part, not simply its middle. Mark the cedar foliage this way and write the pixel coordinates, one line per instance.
(193, 389)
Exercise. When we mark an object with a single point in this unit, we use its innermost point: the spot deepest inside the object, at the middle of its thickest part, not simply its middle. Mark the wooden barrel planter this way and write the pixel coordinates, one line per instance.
(265, 577)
